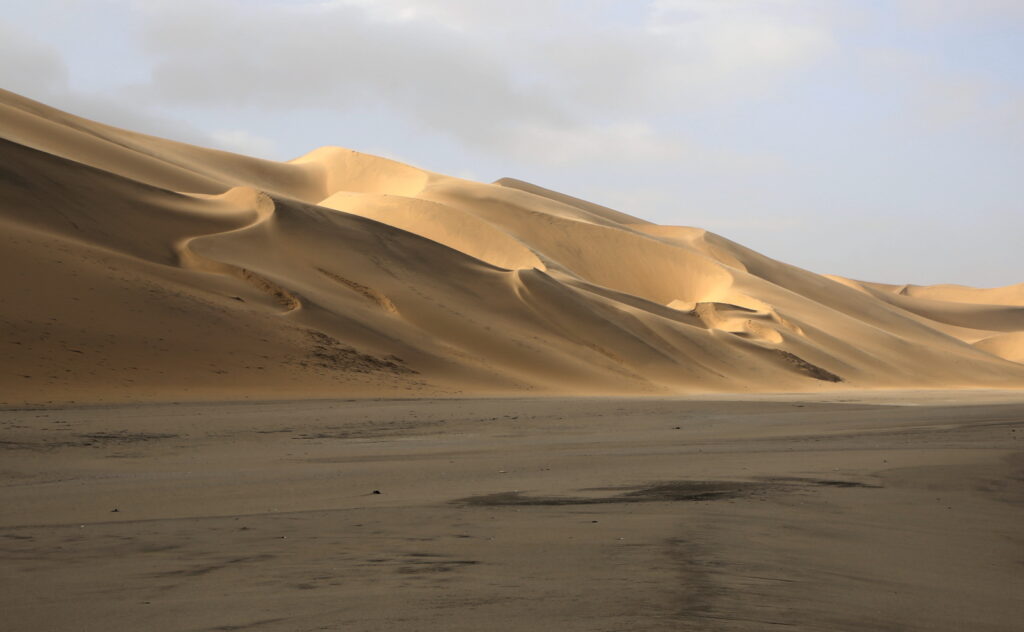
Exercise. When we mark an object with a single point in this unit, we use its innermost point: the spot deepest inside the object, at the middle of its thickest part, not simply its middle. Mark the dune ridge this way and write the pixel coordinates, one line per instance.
(141, 268)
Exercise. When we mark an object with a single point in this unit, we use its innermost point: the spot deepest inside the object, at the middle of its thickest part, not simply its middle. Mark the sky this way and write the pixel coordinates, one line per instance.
(879, 140)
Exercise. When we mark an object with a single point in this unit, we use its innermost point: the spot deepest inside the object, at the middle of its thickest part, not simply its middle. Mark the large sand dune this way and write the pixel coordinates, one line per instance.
(140, 268)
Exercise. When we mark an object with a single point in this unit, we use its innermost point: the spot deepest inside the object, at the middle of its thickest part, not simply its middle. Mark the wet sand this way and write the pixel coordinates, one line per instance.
(885, 511)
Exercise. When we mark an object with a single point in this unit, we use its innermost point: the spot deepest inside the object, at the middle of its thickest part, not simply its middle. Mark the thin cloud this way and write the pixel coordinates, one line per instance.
(29, 66)
(242, 141)
(498, 88)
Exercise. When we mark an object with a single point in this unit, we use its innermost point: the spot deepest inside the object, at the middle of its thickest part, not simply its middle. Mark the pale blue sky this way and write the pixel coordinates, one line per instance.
(877, 140)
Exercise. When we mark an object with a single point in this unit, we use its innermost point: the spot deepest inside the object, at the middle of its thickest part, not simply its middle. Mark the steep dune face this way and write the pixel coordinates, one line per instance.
(140, 268)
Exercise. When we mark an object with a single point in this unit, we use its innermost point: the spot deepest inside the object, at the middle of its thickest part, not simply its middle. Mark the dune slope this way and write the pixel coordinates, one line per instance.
(140, 268)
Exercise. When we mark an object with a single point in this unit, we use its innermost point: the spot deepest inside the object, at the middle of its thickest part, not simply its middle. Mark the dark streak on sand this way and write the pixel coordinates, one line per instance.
(667, 491)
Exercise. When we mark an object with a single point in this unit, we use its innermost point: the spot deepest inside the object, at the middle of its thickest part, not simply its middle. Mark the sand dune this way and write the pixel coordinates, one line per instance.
(141, 268)
(1008, 295)
(1009, 346)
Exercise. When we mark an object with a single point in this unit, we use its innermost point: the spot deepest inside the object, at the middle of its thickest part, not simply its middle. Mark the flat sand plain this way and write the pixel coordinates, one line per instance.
(883, 511)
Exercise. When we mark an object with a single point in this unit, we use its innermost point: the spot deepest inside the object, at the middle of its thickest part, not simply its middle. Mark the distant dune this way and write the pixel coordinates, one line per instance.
(140, 268)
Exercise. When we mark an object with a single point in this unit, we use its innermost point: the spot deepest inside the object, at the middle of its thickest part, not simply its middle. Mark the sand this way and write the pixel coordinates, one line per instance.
(140, 269)
(892, 511)
(344, 393)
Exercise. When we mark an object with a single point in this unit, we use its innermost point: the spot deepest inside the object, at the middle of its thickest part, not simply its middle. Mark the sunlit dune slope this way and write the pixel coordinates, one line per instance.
(140, 268)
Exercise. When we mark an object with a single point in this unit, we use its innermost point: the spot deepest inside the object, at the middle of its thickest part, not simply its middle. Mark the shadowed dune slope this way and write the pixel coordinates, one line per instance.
(140, 268)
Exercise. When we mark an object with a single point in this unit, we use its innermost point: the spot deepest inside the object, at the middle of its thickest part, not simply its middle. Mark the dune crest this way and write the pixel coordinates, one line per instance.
(149, 269)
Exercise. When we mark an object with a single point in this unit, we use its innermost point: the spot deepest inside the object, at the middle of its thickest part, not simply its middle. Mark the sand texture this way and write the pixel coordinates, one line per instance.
(848, 514)
(136, 268)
